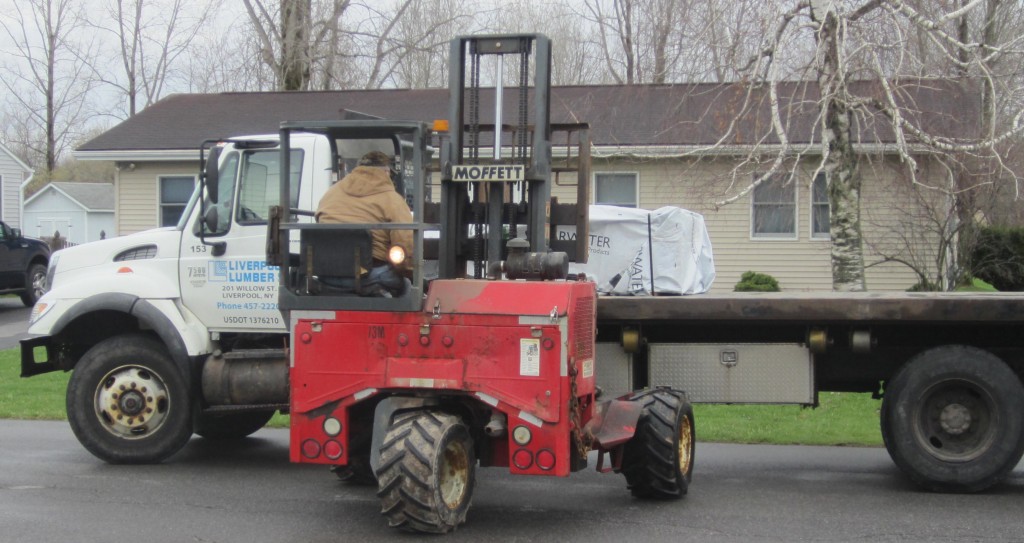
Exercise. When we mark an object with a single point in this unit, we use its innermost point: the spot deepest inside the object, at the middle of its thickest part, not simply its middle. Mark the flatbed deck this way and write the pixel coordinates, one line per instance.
(816, 307)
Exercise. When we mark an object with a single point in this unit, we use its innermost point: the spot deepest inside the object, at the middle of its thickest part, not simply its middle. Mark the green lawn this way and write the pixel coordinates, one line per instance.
(842, 419)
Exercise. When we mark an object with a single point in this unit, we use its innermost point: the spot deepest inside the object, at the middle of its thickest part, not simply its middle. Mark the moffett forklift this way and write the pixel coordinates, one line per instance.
(488, 357)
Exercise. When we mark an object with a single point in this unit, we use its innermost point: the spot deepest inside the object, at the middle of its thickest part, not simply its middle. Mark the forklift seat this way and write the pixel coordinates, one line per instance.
(334, 261)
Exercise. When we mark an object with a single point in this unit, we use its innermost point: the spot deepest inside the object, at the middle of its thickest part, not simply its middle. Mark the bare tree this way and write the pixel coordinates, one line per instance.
(46, 77)
(290, 37)
(421, 37)
(150, 37)
(865, 40)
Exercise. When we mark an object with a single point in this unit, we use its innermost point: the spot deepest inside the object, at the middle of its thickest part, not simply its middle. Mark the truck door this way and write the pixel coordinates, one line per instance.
(237, 290)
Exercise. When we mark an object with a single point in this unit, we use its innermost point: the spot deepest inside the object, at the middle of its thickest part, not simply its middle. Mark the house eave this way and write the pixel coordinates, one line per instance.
(147, 155)
(688, 151)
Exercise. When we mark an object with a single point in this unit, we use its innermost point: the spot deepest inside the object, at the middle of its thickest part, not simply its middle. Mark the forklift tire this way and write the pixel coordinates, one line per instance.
(128, 403)
(658, 461)
(231, 426)
(951, 419)
(427, 472)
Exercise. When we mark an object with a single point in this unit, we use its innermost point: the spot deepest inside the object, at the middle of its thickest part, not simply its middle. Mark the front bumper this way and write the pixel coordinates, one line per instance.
(29, 365)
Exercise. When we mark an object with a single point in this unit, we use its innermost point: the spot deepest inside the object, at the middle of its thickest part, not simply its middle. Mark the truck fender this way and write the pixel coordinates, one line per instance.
(614, 423)
(149, 315)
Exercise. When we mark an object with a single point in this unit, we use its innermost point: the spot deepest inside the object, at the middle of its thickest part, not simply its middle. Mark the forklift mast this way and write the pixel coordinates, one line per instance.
(496, 177)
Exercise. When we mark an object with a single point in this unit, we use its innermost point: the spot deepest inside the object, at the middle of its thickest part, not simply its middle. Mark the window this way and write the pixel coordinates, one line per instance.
(616, 189)
(261, 185)
(819, 208)
(773, 208)
(174, 194)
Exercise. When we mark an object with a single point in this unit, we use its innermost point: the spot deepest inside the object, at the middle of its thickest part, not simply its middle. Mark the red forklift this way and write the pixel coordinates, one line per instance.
(488, 356)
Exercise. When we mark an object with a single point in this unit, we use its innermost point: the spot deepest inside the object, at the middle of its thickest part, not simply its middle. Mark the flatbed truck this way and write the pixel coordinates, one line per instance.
(178, 331)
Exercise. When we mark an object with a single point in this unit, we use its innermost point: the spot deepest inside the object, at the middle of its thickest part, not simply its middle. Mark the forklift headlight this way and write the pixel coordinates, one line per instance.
(396, 255)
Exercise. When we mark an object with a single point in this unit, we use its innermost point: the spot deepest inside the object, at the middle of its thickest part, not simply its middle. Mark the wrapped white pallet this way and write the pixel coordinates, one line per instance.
(621, 258)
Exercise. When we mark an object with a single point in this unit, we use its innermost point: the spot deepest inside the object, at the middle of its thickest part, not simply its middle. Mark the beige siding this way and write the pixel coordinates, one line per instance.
(891, 216)
(801, 263)
(137, 193)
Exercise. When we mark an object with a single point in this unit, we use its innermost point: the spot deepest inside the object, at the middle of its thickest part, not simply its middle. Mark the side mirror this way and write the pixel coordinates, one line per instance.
(211, 173)
(16, 233)
(210, 219)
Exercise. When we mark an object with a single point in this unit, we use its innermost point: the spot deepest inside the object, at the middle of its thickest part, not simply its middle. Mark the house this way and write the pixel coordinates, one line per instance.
(14, 174)
(693, 146)
(80, 212)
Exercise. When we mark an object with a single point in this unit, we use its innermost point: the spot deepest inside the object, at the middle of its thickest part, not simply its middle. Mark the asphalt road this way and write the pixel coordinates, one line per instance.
(53, 490)
(13, 321)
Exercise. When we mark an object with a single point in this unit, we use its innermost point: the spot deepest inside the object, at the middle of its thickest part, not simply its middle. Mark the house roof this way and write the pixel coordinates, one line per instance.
(5, 151)
(91, 196)
(619, 115)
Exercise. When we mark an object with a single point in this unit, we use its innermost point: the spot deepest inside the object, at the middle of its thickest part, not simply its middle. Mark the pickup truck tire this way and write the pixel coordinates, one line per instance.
(951, 419)
(231, 426)
(128, 403)
(35, 284)
(426, 472)
(658, 461)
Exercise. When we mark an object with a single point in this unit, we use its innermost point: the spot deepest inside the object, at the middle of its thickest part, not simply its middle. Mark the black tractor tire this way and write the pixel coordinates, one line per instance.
(427, 472)
(951, 419)
(658, 460)
(226, 427)
(35, 285)
(128, 403)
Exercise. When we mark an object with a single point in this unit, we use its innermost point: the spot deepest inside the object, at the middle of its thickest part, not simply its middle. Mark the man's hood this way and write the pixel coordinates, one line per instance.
(366, 180)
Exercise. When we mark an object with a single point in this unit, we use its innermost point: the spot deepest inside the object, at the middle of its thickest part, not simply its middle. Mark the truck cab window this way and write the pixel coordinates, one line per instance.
(260, 184)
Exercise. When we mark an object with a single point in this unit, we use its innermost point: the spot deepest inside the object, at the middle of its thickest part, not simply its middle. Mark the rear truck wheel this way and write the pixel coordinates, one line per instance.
(128, 403)
(951, 419)
(230, 426)
(35, 285)
(427, 472)
(658, 461)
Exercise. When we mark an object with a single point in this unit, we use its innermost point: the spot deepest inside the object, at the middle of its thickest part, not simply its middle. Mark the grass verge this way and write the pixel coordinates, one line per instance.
(842, 418)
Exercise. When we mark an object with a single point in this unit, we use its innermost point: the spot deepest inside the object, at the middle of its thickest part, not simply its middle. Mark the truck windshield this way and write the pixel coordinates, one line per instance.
(261, 184)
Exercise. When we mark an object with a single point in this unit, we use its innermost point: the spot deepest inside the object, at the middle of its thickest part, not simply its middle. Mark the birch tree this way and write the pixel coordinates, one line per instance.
(865, 40)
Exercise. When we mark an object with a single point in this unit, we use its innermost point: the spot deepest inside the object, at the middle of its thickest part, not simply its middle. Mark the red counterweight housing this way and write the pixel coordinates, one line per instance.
(515, 359)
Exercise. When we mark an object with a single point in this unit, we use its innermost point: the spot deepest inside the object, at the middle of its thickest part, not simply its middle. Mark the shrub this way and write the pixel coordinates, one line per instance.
(757, 282)
(998, 258)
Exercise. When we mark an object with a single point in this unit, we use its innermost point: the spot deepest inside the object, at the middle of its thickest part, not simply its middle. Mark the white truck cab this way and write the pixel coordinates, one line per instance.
(149, 321)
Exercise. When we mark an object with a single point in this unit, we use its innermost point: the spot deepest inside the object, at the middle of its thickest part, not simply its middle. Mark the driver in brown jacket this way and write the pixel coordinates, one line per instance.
(367, 195)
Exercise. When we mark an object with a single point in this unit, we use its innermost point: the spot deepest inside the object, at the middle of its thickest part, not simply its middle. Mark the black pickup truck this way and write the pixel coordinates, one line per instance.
(23, 263)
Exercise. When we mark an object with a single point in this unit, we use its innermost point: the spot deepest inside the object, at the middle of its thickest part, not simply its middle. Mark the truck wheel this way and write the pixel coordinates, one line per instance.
(427, 472)
(951, 419)
(232, 426)
(127, 402)
(658, 461)
(35, 285)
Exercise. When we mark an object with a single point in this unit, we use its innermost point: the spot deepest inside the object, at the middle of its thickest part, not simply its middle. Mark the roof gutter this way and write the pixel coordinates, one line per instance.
(147, 155)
